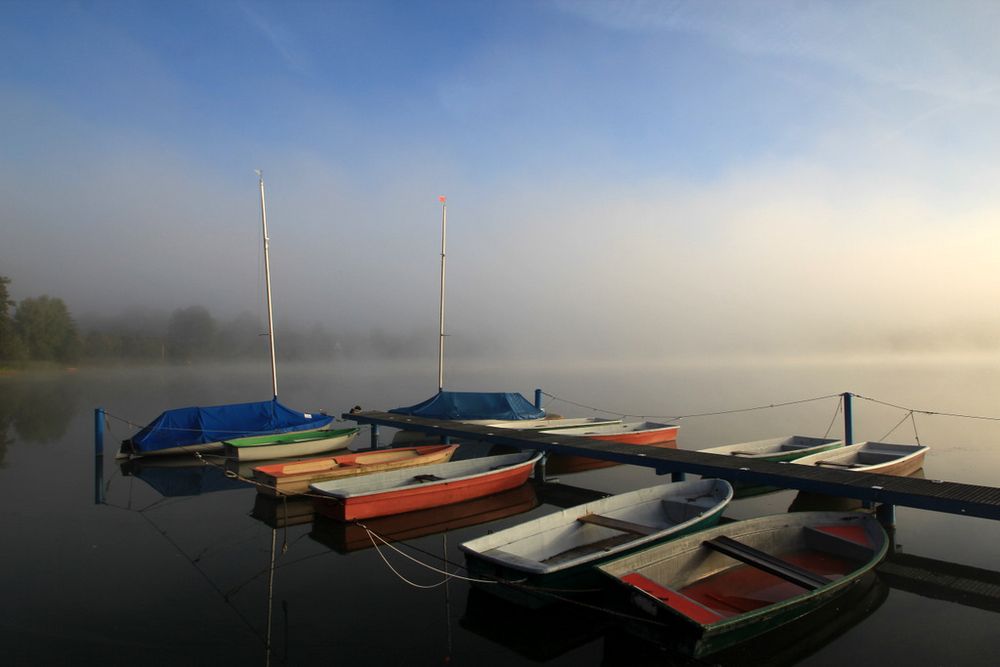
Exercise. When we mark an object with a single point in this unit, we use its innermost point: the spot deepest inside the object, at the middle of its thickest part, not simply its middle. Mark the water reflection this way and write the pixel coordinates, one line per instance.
(172, 476)
(283, 512)
(539, 635)
(36, 410)
(348, 537)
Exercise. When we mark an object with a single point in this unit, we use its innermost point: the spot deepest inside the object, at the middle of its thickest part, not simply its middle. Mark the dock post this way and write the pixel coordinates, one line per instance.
(374, 443)
(538, 399)
(886, 514)
(848, 420)
(99, 431)
(540, 473)
(677, 476)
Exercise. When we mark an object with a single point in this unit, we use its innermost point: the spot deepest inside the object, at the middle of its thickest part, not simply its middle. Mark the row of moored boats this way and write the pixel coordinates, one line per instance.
(666, 552)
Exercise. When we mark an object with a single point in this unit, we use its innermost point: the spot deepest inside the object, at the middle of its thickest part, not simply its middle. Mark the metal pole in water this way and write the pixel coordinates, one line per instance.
(444, 225)
(848, 420)
(538, 399)
(267, 282)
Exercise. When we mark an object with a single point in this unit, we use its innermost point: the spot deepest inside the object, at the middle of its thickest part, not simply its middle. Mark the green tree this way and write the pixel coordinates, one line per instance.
(11, 346)
(190, 334)
(47, 329)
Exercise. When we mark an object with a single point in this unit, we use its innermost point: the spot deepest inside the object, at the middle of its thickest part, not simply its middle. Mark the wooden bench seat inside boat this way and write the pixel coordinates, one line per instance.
(673, 599)
(618, 524)
(766, 562)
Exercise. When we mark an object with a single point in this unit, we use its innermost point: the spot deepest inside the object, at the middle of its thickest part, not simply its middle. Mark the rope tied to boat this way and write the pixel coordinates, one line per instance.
(376, 538)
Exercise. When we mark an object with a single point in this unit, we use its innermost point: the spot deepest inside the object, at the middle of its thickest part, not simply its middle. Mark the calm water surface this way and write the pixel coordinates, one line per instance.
(174, 566)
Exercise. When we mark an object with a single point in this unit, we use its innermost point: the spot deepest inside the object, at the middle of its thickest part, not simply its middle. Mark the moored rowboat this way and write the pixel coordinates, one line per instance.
(727, 584)
(558, 551)
(293, 478)
(881, 457)
(633, 433)
(776, 449)
(283, 445)
(398, 491)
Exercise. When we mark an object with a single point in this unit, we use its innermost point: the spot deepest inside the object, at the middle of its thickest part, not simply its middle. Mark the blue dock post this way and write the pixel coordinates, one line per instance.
(848, 420)
(99, 431)
(374, 436)
(538, 399)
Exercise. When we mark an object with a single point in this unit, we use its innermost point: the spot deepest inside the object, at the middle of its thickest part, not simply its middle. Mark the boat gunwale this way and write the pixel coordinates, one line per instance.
(481, 546)
(693, 543)
(530, 458)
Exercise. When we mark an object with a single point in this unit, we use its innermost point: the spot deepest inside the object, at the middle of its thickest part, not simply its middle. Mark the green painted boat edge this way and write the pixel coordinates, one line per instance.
(292, 437)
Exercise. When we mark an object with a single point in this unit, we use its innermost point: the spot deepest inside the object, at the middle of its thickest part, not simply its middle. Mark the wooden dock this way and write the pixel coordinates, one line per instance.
(886, 490)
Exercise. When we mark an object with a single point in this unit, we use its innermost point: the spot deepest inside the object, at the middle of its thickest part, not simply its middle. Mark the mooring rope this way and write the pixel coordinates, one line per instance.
(373, 536)
(693, 415)
(927, 412)
(840, 406)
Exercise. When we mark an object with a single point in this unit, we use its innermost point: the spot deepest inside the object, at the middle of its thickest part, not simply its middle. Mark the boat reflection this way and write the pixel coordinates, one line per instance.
(172, 476)
(539, 635)
(788, 644)
(283, 512)
(348, 537)
(564, 464)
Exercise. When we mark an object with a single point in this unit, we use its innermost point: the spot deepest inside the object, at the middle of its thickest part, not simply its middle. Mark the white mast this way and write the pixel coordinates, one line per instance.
(267, 279)
(444, 224)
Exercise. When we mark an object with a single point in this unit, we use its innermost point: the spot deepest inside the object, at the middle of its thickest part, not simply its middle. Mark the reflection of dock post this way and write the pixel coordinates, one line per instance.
(98, 456)
(848, 420)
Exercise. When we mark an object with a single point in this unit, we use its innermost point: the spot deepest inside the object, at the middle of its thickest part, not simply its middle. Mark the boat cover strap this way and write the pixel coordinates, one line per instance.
(766, 562)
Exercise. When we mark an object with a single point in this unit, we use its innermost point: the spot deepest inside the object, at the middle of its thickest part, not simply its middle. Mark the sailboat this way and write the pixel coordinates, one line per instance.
(463, 405)
(202, 429)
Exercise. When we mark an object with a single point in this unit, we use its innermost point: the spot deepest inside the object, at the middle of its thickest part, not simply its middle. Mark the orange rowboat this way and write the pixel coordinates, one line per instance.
(398, 491)
(293, 478)
(633, 433)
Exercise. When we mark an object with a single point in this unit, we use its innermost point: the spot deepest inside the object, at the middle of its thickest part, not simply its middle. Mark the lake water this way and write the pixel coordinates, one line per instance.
(174, 567)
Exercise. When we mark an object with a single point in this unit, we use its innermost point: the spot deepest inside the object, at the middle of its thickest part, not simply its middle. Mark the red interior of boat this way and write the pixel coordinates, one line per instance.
(744, 588)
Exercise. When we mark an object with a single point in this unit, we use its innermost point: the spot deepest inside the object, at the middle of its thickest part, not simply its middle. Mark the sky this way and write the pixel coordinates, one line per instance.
(644, 179)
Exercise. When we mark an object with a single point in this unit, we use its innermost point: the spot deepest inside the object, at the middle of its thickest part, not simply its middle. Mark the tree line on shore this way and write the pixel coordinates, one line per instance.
(42, 329)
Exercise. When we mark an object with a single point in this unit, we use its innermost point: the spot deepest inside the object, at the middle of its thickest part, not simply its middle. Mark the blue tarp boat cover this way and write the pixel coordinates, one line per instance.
(474, 405)
(196, 425)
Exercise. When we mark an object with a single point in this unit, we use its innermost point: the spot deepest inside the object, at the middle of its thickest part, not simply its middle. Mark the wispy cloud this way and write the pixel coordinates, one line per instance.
(280, 38)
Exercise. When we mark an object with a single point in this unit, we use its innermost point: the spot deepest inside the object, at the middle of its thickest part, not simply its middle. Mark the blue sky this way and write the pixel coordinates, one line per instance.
(755, 171)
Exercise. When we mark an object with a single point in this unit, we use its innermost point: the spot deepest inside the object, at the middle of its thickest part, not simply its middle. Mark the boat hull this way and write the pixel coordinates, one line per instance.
(642, 433)
(289, 479)
(406, 493)
(875, 457)
(777, 449)
(708, 601)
